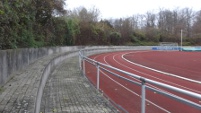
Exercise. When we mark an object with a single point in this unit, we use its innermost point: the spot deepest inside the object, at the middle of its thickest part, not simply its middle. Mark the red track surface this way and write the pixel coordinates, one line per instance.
(185, 64)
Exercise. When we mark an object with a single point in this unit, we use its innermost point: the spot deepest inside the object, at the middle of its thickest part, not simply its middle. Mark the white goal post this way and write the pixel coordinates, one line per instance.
(168, 46)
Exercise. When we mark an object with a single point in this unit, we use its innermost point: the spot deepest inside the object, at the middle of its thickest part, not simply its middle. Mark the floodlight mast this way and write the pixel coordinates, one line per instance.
(181, 39)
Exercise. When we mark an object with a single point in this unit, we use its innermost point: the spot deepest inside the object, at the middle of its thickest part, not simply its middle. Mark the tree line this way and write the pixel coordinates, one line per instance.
(38, 23)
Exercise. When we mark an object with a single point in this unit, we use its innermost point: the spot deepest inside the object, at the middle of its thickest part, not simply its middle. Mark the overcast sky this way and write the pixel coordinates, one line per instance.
(124, 8)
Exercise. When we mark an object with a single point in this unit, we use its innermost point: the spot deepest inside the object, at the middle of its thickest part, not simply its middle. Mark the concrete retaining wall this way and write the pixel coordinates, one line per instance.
(47, 71)
(16, 59)
(71, 53)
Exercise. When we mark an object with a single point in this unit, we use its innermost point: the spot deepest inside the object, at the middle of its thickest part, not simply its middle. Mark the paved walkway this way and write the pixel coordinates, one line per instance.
(18, 95)
(66, 91)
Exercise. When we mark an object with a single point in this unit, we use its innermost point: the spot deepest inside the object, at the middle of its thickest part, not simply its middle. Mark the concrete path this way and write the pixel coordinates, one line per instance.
(66, 91)
(18, 95)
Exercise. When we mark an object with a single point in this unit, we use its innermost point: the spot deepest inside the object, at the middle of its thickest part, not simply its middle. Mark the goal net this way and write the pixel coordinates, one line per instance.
(168, 46)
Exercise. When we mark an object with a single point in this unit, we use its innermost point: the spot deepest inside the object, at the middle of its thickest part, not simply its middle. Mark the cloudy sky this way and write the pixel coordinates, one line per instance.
(125, 8)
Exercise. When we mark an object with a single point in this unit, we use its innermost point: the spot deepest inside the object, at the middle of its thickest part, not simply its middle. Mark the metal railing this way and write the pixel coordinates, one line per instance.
(143, 81)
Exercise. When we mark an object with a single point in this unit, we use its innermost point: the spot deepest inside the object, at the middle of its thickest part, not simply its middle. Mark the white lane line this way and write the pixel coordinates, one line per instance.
(131, 90)
(165, 73)
(169, 82)
(135, 93)
(96, 56)
(155, 77)
(143, 72)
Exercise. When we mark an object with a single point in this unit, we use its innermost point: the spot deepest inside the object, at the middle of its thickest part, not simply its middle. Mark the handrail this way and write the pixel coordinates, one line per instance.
(145, 82)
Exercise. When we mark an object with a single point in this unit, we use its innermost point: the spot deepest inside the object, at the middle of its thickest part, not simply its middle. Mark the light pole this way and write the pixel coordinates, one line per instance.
(181, 39)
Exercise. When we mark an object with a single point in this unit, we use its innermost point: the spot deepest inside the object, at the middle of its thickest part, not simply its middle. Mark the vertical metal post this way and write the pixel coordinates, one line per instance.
(143, 96)
(98, 76)
(181, 39)
(83, 62)
(85, 53)
(80, 60)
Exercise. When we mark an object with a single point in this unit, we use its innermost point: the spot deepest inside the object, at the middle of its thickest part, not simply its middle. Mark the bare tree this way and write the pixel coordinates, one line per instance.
(189, 20)
(86, 15)
(150, 20)
(197, 24)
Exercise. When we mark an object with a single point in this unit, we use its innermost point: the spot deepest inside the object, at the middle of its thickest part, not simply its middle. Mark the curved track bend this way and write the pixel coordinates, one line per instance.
(127, 95)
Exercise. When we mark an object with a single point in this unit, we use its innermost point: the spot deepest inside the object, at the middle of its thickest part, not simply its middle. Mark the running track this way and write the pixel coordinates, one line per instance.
(186, 75)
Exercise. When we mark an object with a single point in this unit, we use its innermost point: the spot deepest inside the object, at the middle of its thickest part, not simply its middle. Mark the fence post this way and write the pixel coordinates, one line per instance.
(98, 75)
(83, 62)
(143, 96)
(80, 60)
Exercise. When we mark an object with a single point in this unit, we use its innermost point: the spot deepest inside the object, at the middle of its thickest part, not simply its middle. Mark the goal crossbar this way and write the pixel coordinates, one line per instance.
(167, 46)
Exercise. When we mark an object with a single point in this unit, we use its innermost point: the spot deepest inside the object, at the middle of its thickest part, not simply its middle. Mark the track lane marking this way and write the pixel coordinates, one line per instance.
(165, 73)
(169, 82)
(157, 78)
(146, 73)
(131, 63)
(133, 91)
